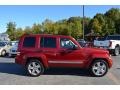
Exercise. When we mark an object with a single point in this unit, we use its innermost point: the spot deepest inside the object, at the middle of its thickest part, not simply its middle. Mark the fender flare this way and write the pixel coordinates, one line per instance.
(39, 56)
(97, 56)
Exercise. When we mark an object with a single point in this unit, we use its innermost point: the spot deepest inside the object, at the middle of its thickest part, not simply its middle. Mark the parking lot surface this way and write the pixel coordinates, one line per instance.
(11, 73)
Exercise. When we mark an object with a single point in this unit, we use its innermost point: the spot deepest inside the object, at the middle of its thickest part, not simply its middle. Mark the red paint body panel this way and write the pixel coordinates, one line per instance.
(59, 57)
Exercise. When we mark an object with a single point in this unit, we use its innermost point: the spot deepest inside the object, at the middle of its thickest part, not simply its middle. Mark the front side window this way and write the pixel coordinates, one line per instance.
(29, 42)
(66, 43)
(48, 42)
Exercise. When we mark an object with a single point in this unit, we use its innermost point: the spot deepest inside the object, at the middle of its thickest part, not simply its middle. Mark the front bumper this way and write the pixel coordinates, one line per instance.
(110, 62)
(13, 53)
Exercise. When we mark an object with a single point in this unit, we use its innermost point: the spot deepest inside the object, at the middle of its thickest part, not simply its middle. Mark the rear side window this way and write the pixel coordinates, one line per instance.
(29, 42)
(48, 42)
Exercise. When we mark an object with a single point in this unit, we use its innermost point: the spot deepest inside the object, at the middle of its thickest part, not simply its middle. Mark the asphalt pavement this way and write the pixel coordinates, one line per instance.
(13, 74)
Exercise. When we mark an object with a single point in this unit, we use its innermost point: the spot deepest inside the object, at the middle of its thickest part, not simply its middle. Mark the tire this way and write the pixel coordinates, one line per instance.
(99, 68)
(116, 51)
(3, 53)
(35, 68)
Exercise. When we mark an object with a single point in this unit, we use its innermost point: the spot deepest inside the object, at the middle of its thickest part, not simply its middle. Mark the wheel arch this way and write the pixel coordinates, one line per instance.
(117, 45)
(45, 64)
(94, 59)
(2, 51)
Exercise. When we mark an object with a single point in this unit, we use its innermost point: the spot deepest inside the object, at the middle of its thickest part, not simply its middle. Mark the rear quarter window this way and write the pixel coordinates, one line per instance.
(29, 42)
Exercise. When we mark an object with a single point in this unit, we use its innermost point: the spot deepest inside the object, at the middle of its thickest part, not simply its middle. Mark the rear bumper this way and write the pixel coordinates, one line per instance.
(19, 60)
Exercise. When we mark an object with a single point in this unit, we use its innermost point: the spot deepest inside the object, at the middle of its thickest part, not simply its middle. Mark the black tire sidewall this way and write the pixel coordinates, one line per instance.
(99, 60)
(42, 67)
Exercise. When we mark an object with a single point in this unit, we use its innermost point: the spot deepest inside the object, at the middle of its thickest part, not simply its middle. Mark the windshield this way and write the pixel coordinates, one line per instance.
(16, 44)
(2, 44)
(113, 38)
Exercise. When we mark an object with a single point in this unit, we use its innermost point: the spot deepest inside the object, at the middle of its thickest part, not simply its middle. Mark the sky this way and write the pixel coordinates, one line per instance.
(28, 15)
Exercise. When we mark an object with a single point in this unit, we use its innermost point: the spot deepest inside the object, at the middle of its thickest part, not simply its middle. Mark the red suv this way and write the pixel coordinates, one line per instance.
(39, 52)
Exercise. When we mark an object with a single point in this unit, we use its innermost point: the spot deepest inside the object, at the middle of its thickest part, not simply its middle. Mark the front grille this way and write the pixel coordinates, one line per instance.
(13, 50)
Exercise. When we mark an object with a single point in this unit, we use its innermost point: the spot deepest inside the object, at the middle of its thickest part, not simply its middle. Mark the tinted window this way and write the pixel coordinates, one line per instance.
(2, 44)
(66, 43)
(48, 42)
(101, 39)
(113, 38)
(29, 42)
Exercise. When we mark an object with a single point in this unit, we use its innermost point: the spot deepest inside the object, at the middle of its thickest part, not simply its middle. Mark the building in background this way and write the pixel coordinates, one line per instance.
(4, 37)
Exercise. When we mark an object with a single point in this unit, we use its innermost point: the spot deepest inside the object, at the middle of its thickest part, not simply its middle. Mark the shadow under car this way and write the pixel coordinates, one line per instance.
(12, 68)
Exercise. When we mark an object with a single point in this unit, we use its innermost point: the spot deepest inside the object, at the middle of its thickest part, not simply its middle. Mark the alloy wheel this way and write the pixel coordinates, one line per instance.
(99, 68)
(34, 68)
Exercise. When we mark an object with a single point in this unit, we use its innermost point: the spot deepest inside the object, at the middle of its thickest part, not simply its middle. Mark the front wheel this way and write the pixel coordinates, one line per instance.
(3, 53)
(116, 51)
(99, 68)
(35, 68)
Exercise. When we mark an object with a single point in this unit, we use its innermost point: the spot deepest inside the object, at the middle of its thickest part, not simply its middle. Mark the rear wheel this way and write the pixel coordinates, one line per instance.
(99, 68)
(35, 68)
(116, 51)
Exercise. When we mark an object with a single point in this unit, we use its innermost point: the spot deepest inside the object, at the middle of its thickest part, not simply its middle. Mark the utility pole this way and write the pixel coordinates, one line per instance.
(83, 23)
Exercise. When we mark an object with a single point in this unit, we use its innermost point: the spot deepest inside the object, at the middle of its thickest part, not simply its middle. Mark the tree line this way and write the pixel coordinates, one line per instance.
(101, 24)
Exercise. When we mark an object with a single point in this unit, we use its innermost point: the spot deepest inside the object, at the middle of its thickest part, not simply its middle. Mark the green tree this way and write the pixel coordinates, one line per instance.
(97, 24)
(11, 30)
(75, 26)
(19, 33)
(61, 28)
(48, 26)
(113, 13)
(109, 27)
(28, 30)
(117, 26)
(86, 25)
(36, 28)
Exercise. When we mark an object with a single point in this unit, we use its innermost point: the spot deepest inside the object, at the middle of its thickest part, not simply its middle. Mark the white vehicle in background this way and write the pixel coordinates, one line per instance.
(4, 47)
(13, 50)
(111, 43)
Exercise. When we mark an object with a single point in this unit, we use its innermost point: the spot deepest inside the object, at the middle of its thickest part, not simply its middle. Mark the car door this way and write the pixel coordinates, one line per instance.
(67, 55)
(48, 46)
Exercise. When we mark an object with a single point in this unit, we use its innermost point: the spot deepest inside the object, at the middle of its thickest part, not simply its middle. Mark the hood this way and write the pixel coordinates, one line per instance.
(95, 50)
(2, 46)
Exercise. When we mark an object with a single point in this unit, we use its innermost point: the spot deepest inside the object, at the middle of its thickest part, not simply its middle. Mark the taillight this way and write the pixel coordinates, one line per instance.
(110, 43)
